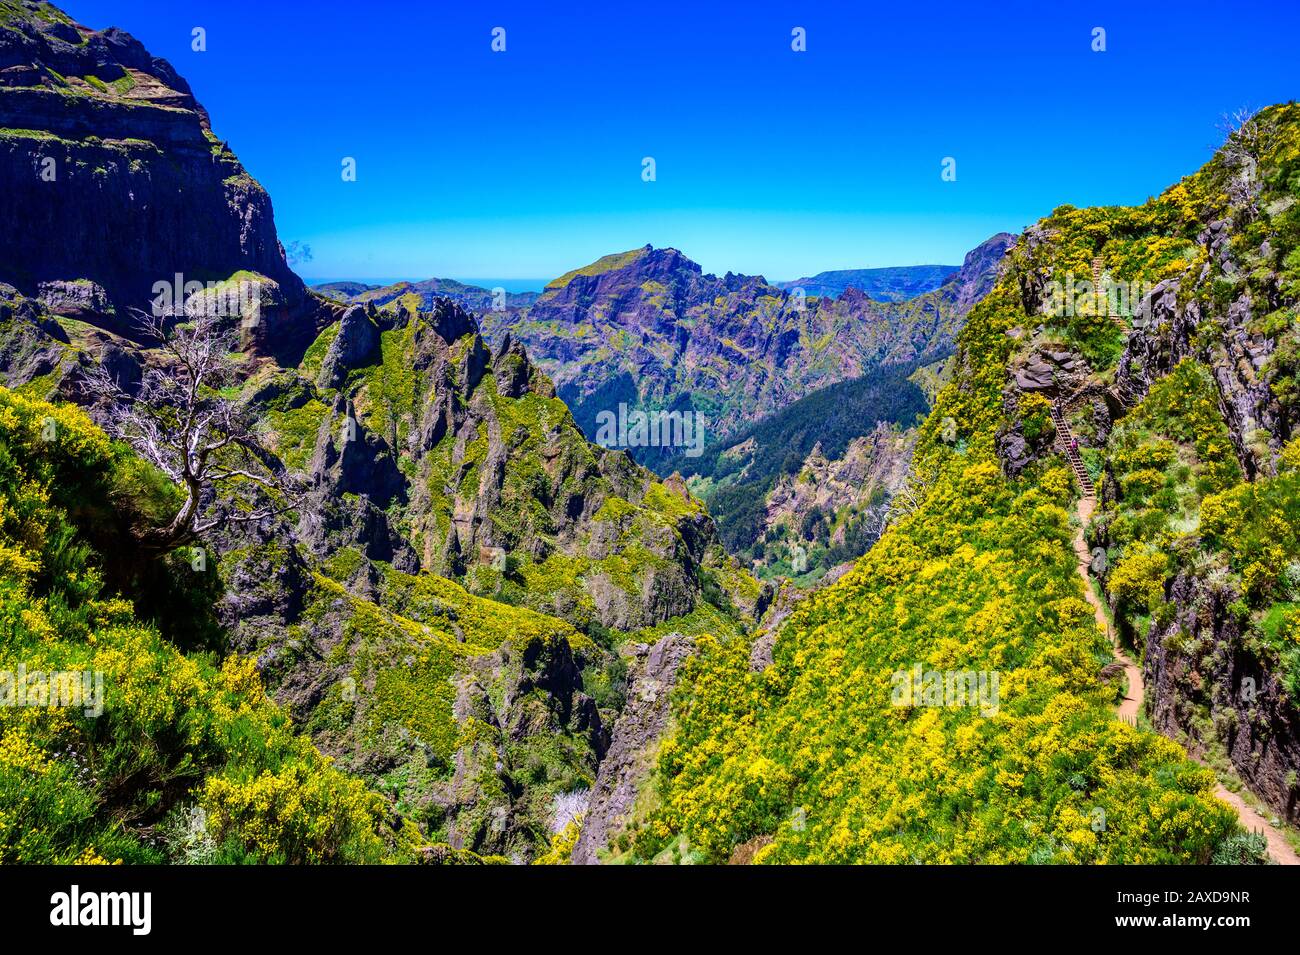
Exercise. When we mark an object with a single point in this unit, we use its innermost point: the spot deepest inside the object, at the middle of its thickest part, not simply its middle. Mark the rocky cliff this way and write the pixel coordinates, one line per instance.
(468, 458)
(96, 133)
(1177, 381)
(444, 606)
(649, 329)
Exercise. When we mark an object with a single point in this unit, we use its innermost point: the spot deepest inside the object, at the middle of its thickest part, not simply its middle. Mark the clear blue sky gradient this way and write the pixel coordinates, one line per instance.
(528, 163)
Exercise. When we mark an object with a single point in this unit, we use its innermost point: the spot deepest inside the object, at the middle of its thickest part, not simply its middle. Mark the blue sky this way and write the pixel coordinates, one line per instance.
(528, 163)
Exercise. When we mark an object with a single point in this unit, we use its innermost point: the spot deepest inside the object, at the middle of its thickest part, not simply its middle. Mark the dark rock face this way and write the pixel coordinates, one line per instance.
(1200, 664)
(354, 477)
(82, 300)
(1014, 452)
(355, 346)
(527, 694)
(267, 586)
(630, 759)
(465, 443)
(550, 675)
(1055, 374)
(1197, 665)
(123, 365)
(101, 134)
(351, 460)
(31, 343)
(50, 41)
(1168, 327)
(1236, 358)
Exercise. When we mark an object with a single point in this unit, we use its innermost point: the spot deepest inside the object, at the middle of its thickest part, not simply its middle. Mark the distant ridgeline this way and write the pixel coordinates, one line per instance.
(450, 608)
(648, 330)
(1186, 414)
(422, 294)
(891, 284)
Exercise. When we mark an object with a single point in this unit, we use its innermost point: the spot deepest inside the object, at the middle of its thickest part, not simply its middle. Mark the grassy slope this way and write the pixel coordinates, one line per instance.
(181, 731)
(809, 761)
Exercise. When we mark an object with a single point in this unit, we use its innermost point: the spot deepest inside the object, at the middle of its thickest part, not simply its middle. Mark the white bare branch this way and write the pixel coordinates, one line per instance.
(181, 423)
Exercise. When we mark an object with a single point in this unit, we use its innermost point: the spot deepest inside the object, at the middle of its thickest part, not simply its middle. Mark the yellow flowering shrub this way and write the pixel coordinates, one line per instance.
(1139, 578)
(815, 759)
(301, 814)
(562, 844)
(175, 729)
(812, 753)
(1257, 524)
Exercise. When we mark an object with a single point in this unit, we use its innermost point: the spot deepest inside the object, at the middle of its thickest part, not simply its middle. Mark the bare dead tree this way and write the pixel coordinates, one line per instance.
(181, 423)
(876, 521)
(907, 500)
(1246, 138)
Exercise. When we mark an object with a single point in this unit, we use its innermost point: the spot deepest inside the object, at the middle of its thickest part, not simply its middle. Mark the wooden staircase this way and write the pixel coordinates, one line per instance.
(1102, 299)
(1066, 439)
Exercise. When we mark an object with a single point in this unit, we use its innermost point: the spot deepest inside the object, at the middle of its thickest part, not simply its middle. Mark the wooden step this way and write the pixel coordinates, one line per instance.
(1066, 437)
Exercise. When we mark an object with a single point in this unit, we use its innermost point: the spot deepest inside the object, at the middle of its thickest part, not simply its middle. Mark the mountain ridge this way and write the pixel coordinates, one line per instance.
(648, 328)
(1184, 410)
(885, 284)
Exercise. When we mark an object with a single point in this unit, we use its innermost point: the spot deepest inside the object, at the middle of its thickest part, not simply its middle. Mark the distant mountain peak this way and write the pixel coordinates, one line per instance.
(649, 327)
(647, 261)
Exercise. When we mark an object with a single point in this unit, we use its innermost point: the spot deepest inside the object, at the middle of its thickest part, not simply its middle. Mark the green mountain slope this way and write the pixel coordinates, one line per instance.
(1186, 416)
(186, 760)
(735, 477)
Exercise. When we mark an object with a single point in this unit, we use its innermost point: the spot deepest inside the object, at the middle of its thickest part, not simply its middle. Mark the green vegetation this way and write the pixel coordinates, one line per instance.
(315, 354)
(744, 469)
(15, 10)
(187, 743)
(295, 430)
(606, 263)
(811, 753)
(809, 760)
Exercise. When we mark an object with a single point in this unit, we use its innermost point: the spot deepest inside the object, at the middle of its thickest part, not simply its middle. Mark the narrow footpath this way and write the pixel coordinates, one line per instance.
(1135, 691)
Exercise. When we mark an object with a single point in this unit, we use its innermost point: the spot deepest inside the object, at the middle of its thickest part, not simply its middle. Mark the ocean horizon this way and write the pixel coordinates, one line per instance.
(510, 285)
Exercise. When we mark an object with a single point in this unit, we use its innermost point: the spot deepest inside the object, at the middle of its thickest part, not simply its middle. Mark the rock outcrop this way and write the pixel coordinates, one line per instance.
(649, 329)
(95, 131)
(1199, 664)
(631, 757)
(483, 463)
